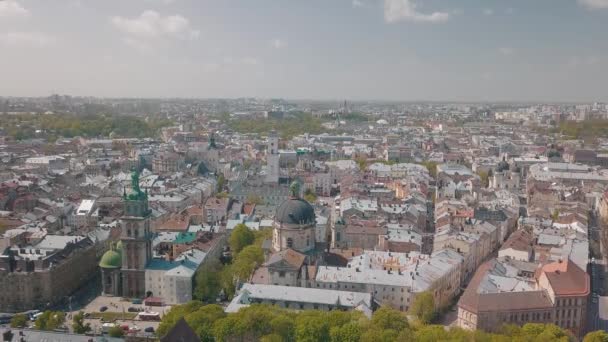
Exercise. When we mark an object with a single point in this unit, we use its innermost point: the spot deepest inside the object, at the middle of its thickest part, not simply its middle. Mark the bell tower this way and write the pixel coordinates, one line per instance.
(272, 158)
(136, 240)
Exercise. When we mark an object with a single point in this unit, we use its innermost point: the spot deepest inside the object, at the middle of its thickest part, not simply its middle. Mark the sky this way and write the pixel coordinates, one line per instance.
(405, 50)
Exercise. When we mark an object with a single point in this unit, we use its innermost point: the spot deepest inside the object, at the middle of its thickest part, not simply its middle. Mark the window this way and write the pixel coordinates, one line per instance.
(282, 274)
(289, 243)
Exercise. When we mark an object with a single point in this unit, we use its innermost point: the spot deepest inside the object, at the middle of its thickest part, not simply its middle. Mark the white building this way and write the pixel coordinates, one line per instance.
(394, 279)
(84, 215)
(301, 298)
(172, 280)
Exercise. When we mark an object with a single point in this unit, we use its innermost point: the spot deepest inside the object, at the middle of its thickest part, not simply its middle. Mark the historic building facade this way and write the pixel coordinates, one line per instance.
(123, 268)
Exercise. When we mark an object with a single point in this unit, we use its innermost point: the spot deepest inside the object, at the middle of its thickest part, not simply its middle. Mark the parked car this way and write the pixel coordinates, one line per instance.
(136, 301)
(103, 309)
(149, 330)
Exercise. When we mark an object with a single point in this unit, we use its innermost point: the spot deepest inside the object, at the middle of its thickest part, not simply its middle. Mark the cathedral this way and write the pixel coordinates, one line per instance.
(294, 224)
(123, 267)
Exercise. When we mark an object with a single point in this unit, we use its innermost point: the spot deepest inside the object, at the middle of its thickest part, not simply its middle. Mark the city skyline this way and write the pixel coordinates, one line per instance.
(399, 50)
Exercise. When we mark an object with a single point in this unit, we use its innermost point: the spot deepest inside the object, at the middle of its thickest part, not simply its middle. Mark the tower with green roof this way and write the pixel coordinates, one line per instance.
(136, 240)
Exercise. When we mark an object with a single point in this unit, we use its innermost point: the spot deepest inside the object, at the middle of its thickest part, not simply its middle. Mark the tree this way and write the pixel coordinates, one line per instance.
(175, 314)
(388, 318)
(50, 320)
(555, 215)
(19, 321)
(78, 324)
(283, 326)
(220, 182)
(240, 238)
(255, 199)
(431, 167)
(350, 332)
(116, 332)
(310, 196)
(202, 320)
(208, 283)
(311, 327)
(423, 307)
(596, 336)
(246, 261)
(485, 178)
(362, 162)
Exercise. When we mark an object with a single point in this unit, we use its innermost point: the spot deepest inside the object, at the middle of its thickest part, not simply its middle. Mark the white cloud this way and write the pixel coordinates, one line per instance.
(488, 11)
(151, 24)
(26, 39)
(278, 43)
(11, 8)
(358, 3)
(507, 51)
(398, 10)
(594, 4)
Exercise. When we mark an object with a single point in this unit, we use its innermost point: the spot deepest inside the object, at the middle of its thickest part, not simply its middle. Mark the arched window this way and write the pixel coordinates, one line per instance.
(136, 232)
(289, 243)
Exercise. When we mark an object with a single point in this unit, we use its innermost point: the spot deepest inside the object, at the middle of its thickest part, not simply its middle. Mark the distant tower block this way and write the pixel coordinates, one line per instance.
(272, 158)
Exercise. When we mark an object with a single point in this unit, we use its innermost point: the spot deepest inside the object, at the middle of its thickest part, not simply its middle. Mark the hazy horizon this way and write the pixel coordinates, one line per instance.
(465, 51)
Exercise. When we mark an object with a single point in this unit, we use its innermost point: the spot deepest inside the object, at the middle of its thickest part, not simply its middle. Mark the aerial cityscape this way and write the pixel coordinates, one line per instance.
(176, 171)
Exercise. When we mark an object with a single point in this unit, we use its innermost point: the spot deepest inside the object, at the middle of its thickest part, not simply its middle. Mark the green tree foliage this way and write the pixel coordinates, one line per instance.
(208, 284)
(246, 261)
(97, 124)
(255, 199)
(19, 321)
(485, 178)
(596, 336)
(386, 318)
(221, 182)
(116, 332)
(350, 332)
(294, 124)
(78, 324)
(432, 167)
(271, 323)
(587, 130)
(50, 320)
(310, 196)
(311, 326)
(240, 238)
(423, 307)
(555, 215)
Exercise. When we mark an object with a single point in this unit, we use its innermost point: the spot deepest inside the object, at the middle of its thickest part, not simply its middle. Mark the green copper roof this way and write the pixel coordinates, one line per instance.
(186, 237)
(111, 259)
(136, 193)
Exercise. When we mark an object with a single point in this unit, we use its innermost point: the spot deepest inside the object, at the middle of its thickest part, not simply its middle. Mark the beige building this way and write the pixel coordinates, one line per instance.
(507, 291)
(45, 272)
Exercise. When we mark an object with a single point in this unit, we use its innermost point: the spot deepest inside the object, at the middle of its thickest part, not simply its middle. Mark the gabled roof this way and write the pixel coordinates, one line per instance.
(181, 332)
(288, 256)
(567, 278)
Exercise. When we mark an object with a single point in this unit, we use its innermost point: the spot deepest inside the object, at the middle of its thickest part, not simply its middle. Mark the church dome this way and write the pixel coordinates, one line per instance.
(502, 166)
(112, 258)
(295, 211)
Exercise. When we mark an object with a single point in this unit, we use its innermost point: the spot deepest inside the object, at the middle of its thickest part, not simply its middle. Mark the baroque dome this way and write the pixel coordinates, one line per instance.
(295, 211)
